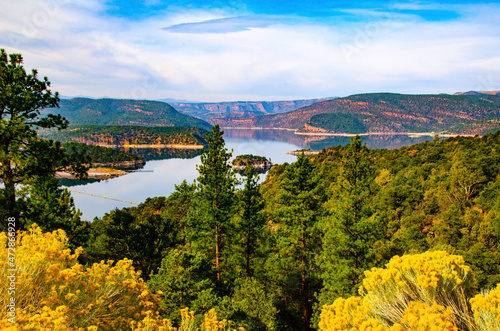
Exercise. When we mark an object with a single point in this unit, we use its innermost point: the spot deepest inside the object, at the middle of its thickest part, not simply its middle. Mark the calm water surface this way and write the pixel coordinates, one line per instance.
(158, 177)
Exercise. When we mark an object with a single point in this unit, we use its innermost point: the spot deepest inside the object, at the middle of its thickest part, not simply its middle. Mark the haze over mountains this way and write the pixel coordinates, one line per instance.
(463, 113)
(380, 112)
(212, 110)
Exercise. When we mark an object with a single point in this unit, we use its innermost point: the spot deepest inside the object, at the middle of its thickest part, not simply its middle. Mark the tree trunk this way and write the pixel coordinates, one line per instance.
(247, 254)
(306, 318)
(217, 244)
(10, 196)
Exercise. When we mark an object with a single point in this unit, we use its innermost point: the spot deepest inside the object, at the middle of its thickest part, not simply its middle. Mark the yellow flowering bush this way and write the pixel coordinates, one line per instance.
(422, 317)
(54, 292)
(353, 314)
(486, 310)
(424, 292)
(430, 277)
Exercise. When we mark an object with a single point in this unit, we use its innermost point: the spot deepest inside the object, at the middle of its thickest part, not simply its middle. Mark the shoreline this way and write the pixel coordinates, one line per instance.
(94, 173)
(255, 128)
(409, 134)
(175, 146)
(340, 134)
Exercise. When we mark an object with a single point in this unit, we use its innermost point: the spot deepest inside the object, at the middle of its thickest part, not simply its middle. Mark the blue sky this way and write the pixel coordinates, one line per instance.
(255, 50)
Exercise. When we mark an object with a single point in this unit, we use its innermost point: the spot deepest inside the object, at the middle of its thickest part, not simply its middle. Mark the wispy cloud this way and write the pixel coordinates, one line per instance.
(226, 25)
(227, 54)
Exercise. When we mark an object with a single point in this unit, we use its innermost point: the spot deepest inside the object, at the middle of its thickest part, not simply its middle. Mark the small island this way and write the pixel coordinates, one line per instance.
(259, 163)
(306, 152)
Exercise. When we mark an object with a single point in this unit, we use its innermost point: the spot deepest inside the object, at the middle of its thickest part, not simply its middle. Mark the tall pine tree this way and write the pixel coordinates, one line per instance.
(216, 183)
(352, 229)
(23, 155)
(252, 221)
(298, 236)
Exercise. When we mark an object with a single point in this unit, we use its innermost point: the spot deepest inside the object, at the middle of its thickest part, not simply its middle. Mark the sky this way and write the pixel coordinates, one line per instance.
(255, 50)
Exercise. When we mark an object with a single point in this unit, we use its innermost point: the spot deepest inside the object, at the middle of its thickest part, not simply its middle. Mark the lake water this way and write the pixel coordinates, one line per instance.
(158, 177)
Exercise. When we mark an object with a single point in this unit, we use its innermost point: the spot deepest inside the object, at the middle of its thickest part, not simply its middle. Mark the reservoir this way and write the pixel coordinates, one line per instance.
(159, 176)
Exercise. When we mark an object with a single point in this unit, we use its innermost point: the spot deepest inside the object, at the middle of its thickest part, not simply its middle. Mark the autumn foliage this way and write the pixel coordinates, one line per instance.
(55, 292)
(426, 292)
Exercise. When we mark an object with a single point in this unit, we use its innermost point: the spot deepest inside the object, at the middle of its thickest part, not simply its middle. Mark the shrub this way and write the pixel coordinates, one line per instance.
(55, 292)
(428, 291)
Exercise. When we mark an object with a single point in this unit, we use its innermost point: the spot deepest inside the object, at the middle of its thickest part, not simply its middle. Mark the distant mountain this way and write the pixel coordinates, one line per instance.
(86, 111)
(214, 111)
(171, 100)
(380, 112)
(478, 93)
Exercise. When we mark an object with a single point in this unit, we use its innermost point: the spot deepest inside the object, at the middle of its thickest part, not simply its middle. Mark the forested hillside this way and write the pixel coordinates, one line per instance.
(84, 111)
(271, 256)
(381, 112)
(129, 135)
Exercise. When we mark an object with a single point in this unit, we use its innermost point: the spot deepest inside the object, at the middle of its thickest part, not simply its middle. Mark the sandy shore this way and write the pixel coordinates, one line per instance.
(165, 146)
(254, 128)
(96, 173)
(410, 134)
(307, 153)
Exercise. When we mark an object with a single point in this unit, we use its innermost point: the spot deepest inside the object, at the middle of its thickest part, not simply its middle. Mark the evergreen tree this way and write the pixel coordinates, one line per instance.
(298, 236)
(23, 155)
(212, 224)
(252, 221)
(142, 234)
(52, 208)
(352, 230)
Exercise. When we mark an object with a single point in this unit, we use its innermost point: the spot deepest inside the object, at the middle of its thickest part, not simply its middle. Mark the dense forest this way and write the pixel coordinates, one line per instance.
(347, 239)
(128, 135)
(270, 256)
(85, 111)
(345, 123)
(383, 112)
(98, 154)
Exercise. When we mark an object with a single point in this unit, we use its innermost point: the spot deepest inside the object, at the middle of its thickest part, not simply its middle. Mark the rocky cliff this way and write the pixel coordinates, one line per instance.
(215, 112)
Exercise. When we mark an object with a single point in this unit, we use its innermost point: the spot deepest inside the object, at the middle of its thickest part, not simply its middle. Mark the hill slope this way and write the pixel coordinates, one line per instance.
(381, 112)
(211, 112)
(128, 135)
(84, 111)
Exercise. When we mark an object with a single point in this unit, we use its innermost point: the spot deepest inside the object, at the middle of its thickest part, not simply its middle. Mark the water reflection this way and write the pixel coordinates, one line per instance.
(150, 154)
(160, 175)
(318, 143)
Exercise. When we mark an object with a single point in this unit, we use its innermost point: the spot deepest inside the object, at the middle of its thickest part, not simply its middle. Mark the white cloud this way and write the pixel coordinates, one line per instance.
(83, 51)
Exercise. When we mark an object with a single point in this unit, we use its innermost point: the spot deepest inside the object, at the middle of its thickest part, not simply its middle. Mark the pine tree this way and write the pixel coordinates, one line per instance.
(23, 155)
(252, 221)
(298, 237)
(216, 197)
(352, 229)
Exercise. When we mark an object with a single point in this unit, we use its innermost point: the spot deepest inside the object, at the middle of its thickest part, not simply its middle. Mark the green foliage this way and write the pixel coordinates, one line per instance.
(353, 230)
(141, 234)
(254, 308)
(251, 224)
(84, 111)
(344, 123)
(129, 135)
(248, 158)
(186, 280)
(217, 200)
(389, 112)
(98, 154)
(296, 215)
(23, 155)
